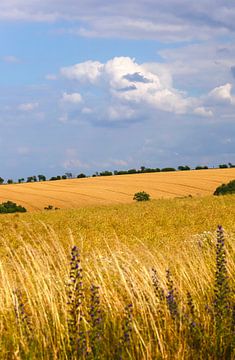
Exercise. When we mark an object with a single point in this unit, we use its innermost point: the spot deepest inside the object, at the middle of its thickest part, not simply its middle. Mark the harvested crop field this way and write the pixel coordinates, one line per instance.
(74, 193)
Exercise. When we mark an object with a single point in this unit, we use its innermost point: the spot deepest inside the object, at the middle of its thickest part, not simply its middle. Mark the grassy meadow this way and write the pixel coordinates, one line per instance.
(104, 190)
(125, 281)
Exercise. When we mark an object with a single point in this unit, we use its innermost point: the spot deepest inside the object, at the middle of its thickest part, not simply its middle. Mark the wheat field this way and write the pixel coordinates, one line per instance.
(137, 285)
(118, 245)
(120, 189)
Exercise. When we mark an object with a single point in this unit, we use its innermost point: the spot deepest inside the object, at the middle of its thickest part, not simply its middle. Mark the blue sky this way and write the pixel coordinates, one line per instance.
(93, 85)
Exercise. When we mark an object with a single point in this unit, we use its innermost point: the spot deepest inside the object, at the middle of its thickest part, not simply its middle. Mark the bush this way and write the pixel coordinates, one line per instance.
(11, 207)
(50, 207)
(168, 169)
(201, 167)
(226, 188)
(141, 196)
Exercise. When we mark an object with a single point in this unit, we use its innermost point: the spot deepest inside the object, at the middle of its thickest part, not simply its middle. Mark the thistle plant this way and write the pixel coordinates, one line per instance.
(74, 301)
(95, 322)
(171, 297)
(194, 330)
(158, 290)
(221, 288)
(127, 330)
(222, 299)
(22, 314)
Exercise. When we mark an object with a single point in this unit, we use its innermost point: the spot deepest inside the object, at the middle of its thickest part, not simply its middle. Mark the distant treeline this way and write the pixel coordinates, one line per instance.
(142, 170)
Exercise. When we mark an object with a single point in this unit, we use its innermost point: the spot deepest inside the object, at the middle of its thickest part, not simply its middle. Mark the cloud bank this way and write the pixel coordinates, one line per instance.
(171, 20)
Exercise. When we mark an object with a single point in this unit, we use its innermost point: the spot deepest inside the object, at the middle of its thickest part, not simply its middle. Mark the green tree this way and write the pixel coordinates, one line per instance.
(228, 188)
(141, 196)
(41, 178)
(80, 176)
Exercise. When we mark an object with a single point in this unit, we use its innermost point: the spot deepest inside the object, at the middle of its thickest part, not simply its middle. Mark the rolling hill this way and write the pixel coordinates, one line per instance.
(74, 193)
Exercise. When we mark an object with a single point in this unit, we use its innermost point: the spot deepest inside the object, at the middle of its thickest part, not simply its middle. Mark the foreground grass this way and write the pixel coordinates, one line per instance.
(123, 305)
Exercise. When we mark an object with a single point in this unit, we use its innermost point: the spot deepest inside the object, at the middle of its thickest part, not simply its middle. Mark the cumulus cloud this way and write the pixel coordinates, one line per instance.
(73, 98)
(86, 71)
(223, 94)
(28, 106)
(130, 85)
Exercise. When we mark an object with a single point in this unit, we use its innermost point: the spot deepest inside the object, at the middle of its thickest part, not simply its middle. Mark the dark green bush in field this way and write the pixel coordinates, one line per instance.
(226, 188)
(141, 196)
(11, 207)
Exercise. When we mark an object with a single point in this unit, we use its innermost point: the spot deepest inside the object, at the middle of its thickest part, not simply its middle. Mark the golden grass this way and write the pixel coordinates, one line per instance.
(119, 245)
(114, 190)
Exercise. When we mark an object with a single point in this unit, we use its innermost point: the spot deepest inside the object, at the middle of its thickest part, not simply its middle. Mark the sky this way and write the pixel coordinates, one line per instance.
(93, 85)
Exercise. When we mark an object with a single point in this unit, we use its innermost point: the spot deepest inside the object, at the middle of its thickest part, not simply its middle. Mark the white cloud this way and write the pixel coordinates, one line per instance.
(74, 163)
(73, 98)
(87, 110)
(223, 94)
(28, 106)
(130, 86)
(203, 112)
(200, 66)
(153, 19)
(86, 71)
(11, 59)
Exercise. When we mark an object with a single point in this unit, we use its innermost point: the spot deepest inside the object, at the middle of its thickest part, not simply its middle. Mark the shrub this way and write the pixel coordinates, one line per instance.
(141, 196)
(183, 168)
(11, 207)
(226, 188)
(50, 207)
(223, 166)
(201, 167)
(168, 169)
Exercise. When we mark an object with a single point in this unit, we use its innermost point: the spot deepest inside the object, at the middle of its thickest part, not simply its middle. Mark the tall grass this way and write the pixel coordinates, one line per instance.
(66, 299)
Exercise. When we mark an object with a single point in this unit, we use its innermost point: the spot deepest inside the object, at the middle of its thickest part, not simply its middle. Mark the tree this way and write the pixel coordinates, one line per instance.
(11, 207)
(168, 169)
(131, 171)
(41, 178)
(1, 180)
(80, 176)
(30, 179)
(10, 181)
(106, 173)
(223, 166)
(201, 167)
(224, 189)
(69, 175)
(21, 180)
(141, 196)
(183, 168)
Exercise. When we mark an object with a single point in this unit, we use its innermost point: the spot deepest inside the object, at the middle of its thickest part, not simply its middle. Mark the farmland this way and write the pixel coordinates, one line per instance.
(75, 193)
(129, 311)
(119, 279)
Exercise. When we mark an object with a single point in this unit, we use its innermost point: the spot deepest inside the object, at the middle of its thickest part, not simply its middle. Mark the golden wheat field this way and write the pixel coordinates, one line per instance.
(119, 245)
(75, 193)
